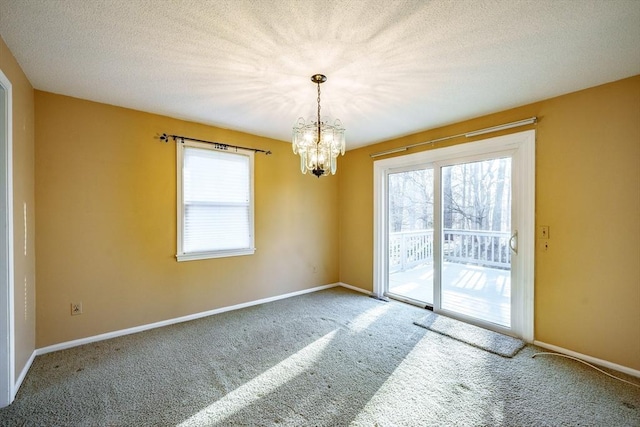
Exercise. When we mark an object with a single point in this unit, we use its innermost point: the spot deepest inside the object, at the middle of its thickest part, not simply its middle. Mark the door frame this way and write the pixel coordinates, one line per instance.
(7, 361)
(522, 144)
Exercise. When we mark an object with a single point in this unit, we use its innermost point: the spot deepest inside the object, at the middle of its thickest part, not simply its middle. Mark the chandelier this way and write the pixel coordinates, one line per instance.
(319, 143)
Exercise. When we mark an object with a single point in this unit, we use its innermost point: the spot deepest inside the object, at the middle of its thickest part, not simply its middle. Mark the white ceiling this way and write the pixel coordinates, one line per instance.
(394, 67)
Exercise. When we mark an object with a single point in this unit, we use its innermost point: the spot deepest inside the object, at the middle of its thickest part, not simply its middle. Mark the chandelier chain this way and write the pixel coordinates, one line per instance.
(318, 102)
(318, 112)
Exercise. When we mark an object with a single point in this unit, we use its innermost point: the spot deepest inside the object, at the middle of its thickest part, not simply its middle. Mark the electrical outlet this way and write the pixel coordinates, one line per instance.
(76, 308)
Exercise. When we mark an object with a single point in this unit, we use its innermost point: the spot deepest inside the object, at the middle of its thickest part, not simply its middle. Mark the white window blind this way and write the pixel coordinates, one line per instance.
(215, 210)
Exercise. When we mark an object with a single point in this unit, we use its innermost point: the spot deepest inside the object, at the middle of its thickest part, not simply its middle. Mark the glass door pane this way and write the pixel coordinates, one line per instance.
(410, 216)
(476, 228)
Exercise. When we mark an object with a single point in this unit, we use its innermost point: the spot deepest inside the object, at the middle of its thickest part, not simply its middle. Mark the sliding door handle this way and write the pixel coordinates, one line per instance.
(514, 238)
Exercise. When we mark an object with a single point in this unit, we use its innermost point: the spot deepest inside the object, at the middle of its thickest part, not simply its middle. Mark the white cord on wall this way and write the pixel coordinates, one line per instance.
(586, 363)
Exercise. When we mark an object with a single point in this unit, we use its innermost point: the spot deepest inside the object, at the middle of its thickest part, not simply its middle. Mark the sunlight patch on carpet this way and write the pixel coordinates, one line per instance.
(262, 385)
(484, 339)
(366, 319)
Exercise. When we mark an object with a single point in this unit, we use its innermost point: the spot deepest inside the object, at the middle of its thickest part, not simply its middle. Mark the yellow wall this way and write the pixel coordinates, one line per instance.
(106, 226)
(23, 200)
(106, 221)
(587, 285)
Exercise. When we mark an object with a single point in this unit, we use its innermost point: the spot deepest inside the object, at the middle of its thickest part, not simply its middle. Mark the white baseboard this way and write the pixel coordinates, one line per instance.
(136, 329)
(593, 360)
(22, 375)
(114, 334)
(354, 288)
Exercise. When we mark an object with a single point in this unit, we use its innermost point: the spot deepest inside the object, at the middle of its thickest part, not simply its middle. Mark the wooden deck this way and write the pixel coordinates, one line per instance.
(480, 292)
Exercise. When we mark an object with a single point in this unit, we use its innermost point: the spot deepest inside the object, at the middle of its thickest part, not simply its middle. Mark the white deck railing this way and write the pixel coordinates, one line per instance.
(485, 248)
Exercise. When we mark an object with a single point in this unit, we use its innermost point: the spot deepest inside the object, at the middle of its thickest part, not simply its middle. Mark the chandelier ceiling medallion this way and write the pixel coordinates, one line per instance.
(318, 142)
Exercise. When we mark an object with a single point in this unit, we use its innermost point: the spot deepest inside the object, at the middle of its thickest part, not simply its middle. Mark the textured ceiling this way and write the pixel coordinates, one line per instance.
(394, 67)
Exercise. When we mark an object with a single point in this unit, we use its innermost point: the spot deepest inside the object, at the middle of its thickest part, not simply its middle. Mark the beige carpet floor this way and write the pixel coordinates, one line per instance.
(331, 358)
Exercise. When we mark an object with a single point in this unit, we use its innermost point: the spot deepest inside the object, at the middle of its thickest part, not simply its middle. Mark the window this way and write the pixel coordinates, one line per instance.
(215, 202)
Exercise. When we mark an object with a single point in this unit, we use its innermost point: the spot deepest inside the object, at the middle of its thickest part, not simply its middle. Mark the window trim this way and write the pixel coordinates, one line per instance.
(180, 254)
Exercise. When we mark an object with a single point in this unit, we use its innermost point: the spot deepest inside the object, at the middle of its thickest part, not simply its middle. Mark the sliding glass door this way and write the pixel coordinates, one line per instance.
(475, 279)
(410, 216)
(451, 223)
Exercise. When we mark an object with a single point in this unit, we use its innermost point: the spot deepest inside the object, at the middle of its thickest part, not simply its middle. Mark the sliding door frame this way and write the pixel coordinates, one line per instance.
(522, 145)
(405, 168)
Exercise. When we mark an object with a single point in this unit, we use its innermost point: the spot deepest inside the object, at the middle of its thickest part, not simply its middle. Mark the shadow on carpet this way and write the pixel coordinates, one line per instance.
(481, 338)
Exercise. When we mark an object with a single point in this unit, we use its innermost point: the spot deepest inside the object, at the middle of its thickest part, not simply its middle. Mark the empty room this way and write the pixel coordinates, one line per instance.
(322, 213)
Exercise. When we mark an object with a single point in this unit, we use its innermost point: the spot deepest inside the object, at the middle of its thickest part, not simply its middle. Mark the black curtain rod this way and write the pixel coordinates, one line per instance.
(219, 145)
